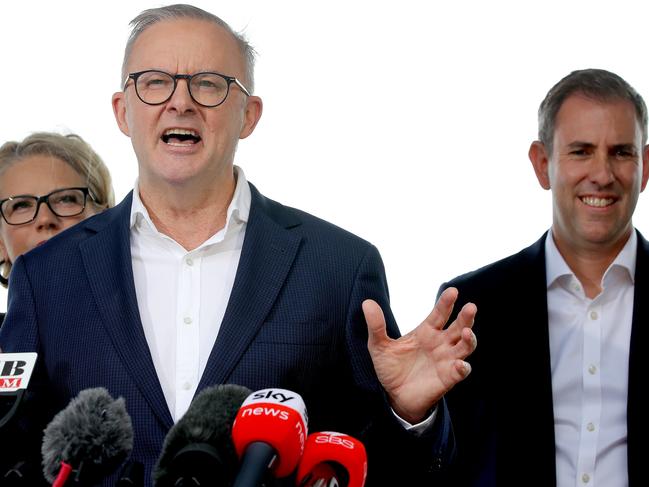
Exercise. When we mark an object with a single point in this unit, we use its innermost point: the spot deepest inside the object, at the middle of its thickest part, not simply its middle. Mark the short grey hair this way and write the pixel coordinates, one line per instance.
(152, 16)
(596, 84)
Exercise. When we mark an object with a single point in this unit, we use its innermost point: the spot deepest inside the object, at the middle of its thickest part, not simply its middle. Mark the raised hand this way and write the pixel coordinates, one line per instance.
(417, 369)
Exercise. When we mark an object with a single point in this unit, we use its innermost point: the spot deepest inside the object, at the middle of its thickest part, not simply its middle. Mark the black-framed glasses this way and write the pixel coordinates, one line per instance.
(21, 209)
(208, 89)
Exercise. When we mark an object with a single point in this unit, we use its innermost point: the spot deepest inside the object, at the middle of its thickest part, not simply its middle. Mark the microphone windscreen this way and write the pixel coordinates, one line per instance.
(94, 432)
(200, 443)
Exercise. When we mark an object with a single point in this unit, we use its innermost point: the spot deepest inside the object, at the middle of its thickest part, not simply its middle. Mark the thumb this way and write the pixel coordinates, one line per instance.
(375, 323)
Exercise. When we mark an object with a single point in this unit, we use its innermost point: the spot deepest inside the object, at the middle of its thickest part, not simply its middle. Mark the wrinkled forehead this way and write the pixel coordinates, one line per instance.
(187, 46)
(583, 104)
(583, 118)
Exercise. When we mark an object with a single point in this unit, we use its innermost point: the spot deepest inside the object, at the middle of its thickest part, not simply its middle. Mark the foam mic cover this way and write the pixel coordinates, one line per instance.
(198, 449)
(269, 433)
(91, 437)
(330, 456)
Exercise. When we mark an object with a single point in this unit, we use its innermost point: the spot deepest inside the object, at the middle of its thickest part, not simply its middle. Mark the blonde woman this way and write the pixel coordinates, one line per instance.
(48, 182)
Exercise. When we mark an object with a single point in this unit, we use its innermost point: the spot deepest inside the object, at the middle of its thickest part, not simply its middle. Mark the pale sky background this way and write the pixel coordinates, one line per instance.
(407, 123)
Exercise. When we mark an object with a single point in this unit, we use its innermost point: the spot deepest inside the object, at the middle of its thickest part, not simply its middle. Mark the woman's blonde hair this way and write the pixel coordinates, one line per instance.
(71, 149)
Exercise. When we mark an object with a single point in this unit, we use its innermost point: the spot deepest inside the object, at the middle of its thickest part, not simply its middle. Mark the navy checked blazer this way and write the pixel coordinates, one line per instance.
(502, 413)
(294, 320)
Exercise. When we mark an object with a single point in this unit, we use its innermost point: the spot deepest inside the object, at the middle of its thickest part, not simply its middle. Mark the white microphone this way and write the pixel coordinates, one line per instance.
(15, 371)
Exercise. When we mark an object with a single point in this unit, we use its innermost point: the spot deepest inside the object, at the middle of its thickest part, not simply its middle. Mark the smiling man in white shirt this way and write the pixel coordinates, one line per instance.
(563, 409)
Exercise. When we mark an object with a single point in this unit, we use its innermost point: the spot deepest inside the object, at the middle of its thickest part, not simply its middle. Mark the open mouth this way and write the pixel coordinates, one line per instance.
(180, 137)
(597, 202)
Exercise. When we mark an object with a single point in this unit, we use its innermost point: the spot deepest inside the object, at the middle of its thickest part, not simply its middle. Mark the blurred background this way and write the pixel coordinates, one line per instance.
(407, 123)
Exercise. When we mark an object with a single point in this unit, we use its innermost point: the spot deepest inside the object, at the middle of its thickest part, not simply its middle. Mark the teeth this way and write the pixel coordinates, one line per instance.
(597, 202)
(181, 132)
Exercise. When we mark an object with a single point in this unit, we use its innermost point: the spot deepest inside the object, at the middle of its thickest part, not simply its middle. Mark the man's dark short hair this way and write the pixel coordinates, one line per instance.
(597, 84)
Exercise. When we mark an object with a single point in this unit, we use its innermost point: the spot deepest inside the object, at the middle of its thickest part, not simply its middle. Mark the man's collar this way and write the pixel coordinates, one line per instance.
(239, 207)
(556, 266)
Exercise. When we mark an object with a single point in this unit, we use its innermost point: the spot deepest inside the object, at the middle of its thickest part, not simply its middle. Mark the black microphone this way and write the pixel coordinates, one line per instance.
(22, 474)
(131, 475)
(87, 440)
(198, 450)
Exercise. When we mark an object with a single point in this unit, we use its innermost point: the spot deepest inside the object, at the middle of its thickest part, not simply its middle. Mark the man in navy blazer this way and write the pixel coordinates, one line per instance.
(197, 279)
(564, 409)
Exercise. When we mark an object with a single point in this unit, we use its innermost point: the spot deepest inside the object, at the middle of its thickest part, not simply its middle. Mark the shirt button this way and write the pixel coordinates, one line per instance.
(590, 427)
(189, 261)
(592, 370)
(187, 320)
(187, 386)
(593, 315)
(585, 478)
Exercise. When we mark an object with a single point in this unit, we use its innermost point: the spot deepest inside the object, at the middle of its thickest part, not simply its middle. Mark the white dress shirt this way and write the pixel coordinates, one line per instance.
(182, 296)
(589, 351)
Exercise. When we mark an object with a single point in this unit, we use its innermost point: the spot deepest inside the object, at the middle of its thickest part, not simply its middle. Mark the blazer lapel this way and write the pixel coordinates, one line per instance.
(269, 249)
(530, 417)
(637, 425)
(107, 259)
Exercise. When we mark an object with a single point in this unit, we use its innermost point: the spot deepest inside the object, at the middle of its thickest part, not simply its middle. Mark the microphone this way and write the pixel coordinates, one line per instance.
(198, 450)
(131, 475)
(21, 474)
(88, 439)
(269, 433)
(15, 371)
(332, 460)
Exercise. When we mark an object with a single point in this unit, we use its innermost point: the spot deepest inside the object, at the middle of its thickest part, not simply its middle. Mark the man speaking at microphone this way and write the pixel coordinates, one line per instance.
(197, 279)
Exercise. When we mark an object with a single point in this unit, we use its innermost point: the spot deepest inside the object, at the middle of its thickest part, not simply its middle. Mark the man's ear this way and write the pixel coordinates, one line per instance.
(540, 162)
(119, 110)
(253, 109)
(645, 167)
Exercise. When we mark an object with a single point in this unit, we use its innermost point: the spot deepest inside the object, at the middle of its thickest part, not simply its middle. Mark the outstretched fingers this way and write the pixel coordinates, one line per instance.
(461, 370)
(464, 319)
(376, 327)
(442, 309)
(466, 345)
